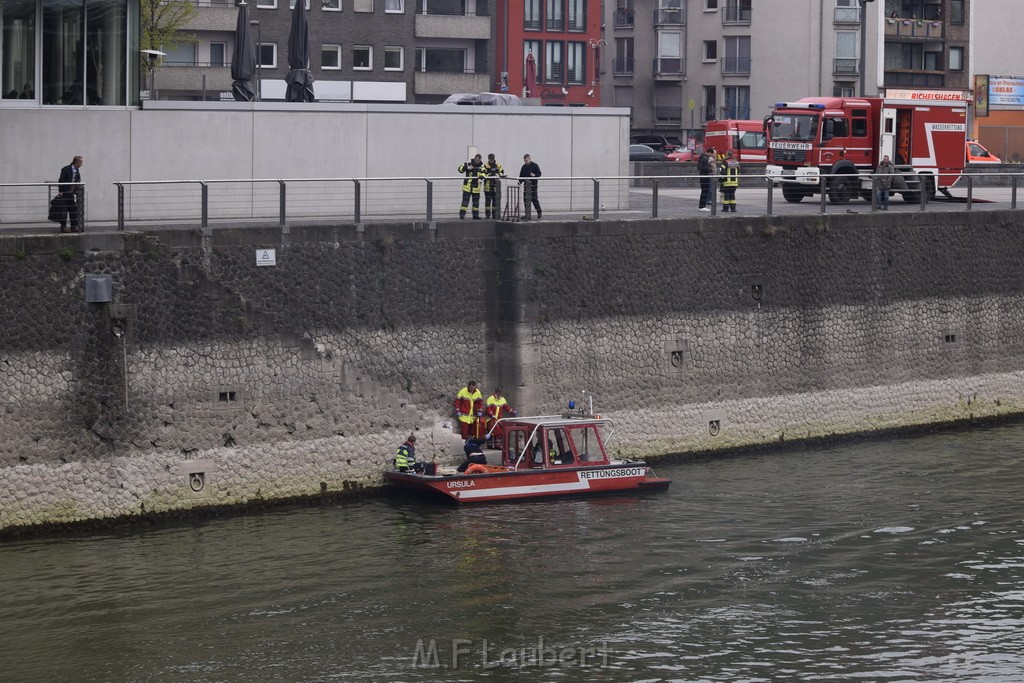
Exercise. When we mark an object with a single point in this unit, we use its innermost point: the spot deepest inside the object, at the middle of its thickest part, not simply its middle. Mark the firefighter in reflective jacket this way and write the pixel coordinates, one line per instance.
(473, 170)
(729, 180)
(469, 406)
(405, 459)
(497, 408)
(492, 187)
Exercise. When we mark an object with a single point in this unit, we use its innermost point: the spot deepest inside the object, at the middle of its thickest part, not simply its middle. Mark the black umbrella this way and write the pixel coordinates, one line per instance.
(243, 61)
(298, 78)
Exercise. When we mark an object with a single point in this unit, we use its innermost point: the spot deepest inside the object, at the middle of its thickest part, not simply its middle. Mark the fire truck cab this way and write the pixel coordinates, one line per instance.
(843, 140)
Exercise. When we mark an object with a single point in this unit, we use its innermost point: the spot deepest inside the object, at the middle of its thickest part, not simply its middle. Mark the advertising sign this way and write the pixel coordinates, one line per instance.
(1006, 91)
(981, 95)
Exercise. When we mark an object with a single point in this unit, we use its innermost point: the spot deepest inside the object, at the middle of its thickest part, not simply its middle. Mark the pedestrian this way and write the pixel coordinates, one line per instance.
(497, 407)
(73, 195)
(729, 176)
(706, 169)
(884, 174)
(469, 406)
(492, 187)
(472, 169)
(405, 459)
(529, 170)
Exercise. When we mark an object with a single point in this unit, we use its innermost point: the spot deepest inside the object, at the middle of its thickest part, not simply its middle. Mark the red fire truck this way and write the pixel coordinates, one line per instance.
(744, 138)
(922, 131)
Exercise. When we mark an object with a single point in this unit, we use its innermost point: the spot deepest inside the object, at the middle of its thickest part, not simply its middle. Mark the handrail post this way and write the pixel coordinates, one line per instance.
(358, 201)
(771, 194)
(1013, 191)
(597, 198)
(654, 198)
(970, 191)
(823, 185)
(204, 194)
(120, 207)
(874, 193)
(430, 200)
(922, 191)
(283, 202)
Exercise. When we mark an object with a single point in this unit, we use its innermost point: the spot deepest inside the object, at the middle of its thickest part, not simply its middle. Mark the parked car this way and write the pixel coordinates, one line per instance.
(682, 154)
(659, 143)
(977, 154)
(645, 153)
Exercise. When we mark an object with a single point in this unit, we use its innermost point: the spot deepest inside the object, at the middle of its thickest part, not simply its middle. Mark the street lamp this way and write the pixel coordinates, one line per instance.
(863, 44)
(596, 44)
(259, 59)
(154, 56)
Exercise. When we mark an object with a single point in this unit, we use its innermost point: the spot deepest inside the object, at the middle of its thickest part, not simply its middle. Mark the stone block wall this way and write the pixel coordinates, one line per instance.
(209, 380)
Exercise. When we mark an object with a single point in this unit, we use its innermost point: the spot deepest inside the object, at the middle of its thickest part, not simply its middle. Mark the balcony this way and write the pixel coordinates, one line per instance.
(622, 66)
(668, 115)
(214, 15)
(670, 16)
(532, 24)
(461, 26)
(846, 15)
(447, 82)
(736, 66)
(914, 29)
(914, 79)
(669, 68)
(845, 67)
(624, 18)
(189, 77)
(736, 16)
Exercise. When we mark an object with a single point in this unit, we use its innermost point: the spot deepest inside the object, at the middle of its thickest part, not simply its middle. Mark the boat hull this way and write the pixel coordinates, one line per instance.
(527, 484)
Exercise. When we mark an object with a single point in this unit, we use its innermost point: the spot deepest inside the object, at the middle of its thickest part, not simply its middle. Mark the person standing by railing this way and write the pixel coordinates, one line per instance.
(72, 194)
(706, 169)
(529, 170)
(730, 179)
(884, 174)
(493, 171)
(473, 170)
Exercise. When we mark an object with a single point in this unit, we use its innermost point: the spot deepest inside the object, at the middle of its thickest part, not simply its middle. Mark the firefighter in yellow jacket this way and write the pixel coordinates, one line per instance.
(474, 171)
(492, 173)
(729, 179)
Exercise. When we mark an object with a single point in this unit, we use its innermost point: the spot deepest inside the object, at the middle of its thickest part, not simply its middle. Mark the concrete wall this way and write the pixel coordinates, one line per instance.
(778, 329)
(212, 140)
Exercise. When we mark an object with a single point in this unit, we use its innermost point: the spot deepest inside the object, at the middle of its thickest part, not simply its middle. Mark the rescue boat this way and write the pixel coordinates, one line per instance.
(542, 456)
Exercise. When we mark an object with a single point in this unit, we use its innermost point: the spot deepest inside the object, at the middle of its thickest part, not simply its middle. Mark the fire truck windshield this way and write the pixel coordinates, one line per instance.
(800, 127)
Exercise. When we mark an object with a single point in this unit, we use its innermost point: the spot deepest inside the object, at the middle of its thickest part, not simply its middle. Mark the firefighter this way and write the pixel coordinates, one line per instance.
(492, 187)
(469, 405)
(405, 459)
(473, 170)
(729, 178)
(497, 407)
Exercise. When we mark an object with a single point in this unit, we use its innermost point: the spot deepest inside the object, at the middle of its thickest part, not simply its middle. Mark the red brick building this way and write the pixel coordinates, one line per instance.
(565, 39)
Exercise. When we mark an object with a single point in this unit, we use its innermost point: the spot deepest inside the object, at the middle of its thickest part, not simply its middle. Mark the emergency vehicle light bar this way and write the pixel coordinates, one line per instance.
(799, 105)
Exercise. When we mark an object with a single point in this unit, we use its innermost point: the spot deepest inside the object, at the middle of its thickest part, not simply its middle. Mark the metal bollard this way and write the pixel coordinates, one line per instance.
(283, 203)
(970, 191)
(771, 194)
(597, 198)
(1013, 192)
(823, 193)
(357, 195)
(874, 194)
(654, 198)
(430, 201)
(204, 194)
(120, 207)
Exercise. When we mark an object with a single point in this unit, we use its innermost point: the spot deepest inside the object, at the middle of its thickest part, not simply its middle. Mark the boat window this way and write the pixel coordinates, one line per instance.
(587, 444)
(515, 441)
(559, 449)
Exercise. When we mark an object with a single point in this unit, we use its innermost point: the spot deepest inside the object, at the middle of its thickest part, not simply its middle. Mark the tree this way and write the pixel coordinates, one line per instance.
(160, 23)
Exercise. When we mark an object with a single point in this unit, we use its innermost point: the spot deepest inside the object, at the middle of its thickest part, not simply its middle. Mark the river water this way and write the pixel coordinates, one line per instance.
(900, 559)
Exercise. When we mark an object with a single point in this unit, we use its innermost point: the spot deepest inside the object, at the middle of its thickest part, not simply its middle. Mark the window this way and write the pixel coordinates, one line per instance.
(710, 103)
(267, 4)
(737, 102)
(710, 50)
(362, 5)
(330, 57)
(710, 5)
(577, 15)
(737, 56)
(182, 55)
(533, 46)
(531, 15)
(554, 67)
(670, 52)
(331, 5)
(956, 59)
(576, 61)
(394, 7)
(956, 11)
(860, 127)
(842, 90)
(556, 15)
(362, 58)
(217, 52)
(291, 4)
(438, 59)
(623, 62)
(394, 58)
(737, 12)
(846, 54)
(267, 56)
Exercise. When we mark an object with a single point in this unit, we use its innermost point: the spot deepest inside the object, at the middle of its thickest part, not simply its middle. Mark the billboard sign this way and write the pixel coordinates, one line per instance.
(1005, 91)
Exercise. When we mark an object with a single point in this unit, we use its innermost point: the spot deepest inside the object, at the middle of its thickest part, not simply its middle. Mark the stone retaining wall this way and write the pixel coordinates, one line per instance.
(233, 384)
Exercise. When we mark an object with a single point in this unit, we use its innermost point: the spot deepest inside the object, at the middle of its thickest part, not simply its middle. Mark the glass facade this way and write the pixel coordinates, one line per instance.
(70, 52)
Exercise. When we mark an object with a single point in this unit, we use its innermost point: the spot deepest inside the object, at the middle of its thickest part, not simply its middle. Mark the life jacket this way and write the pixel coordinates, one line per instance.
(405, 457)
(473, 173)
(731, 173)
(468, 405)
(495, 406)
(492, 173)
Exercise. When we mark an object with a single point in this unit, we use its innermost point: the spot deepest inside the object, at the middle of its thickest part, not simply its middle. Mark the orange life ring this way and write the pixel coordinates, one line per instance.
(476, 468)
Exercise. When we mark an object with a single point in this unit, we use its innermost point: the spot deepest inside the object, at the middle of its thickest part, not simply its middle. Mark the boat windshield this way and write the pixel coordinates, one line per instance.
(795, 127)
(587, 443)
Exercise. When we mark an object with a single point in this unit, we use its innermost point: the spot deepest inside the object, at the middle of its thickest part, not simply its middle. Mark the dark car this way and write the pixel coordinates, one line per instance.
(659, 143)
(645, 153)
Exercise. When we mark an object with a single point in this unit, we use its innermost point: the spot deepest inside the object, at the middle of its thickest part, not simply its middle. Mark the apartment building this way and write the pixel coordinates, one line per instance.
(360, 50)
(680, 63)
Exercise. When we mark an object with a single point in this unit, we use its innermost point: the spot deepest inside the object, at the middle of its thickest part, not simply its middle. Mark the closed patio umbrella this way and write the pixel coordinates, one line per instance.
(243, 61)
(530, 80)
(298, 78)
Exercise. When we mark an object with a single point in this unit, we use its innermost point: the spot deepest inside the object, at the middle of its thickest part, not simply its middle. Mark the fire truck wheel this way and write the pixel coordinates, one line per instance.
(841, 190)
(792, 194)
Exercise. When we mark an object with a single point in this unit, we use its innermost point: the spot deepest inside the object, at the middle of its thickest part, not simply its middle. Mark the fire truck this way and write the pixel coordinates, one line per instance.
(744, 138)
(922, 131)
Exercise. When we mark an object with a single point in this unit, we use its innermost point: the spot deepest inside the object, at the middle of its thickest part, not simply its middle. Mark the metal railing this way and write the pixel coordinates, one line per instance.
(842, 66)
(30, 202)
(736, 66)
(736, 14)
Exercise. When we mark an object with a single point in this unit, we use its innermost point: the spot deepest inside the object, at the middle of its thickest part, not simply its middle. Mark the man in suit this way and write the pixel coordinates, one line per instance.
(74, 195)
